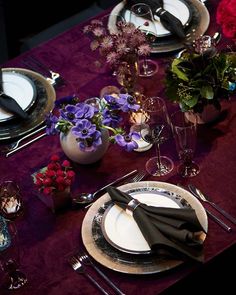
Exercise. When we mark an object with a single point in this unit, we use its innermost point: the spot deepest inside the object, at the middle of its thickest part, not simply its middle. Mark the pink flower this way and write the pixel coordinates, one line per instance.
(66, 163)
(55, 158)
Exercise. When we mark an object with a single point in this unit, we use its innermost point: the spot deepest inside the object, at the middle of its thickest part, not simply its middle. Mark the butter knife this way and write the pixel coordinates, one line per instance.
(205, 198)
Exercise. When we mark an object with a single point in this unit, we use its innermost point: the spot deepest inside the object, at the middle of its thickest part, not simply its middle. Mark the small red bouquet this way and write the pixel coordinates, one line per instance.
(226, 17)
(55, 177)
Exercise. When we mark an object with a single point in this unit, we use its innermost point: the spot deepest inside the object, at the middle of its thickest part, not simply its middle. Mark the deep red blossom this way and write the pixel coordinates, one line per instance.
(226, 17)
(70, 174)
(55, 177)
(55, 158)
(66, 163)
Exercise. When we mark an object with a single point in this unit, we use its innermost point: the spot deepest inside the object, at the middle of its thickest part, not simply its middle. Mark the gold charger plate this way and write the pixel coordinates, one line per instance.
(43, 105)
(98, 247)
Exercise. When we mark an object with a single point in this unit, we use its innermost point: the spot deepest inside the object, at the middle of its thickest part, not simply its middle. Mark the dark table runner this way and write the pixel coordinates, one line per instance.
(46, 239)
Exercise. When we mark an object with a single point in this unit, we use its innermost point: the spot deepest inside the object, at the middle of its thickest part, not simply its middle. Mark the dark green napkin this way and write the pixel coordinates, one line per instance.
(169, 229)
(168, 20)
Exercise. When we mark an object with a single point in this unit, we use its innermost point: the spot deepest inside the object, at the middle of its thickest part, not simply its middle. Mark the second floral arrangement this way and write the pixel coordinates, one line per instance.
(86, 120)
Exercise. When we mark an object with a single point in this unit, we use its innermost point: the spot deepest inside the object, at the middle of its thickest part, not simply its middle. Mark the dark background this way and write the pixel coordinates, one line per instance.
(25, 24)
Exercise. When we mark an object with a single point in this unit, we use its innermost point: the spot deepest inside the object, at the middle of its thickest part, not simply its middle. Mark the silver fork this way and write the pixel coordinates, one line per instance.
(85, 259)
(138, 177)
(77, 266)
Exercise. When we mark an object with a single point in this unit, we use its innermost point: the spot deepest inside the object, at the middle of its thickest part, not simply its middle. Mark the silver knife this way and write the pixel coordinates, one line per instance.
(213, 216)
(205, 198)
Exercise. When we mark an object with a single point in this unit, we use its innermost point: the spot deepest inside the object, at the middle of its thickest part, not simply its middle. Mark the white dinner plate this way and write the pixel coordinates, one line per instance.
(121, 230)
(196, 25)
(107, 255)
(21, 88)
(178, 8)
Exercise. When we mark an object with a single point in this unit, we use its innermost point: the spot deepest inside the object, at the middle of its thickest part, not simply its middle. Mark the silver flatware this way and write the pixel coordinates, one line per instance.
(25, 144)
(205, 198)
(86, 260)
(86, 198)
(212, 215)
(136, 178)
(77, 266)
(15, 144)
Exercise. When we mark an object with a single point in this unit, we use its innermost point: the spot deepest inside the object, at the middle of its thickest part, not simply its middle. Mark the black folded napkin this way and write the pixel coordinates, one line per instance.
(168, 20)
(9, 104)
(173, 230)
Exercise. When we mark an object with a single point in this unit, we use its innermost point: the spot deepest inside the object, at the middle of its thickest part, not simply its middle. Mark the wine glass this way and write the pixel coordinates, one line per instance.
(184, 132)
(141, 16)
(156, 130)
(11, 204)
(10, 256)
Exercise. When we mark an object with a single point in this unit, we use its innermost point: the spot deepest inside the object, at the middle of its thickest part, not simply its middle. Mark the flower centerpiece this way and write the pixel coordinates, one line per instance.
(121, 48)
(88, 122)
(225, 16)
(53, 182)
(116, 47)
(196, 80)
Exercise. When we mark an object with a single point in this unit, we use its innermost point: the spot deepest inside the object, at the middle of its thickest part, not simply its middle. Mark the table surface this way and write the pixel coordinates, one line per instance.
(46, 238)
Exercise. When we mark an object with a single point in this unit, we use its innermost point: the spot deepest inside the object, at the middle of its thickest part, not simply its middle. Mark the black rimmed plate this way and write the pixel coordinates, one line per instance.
(196, 26)
(21, 88)
(103, 252)
(44, 103)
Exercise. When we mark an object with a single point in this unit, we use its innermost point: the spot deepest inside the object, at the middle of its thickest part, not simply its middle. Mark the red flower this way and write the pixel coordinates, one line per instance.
(226, 16)
(55, 177)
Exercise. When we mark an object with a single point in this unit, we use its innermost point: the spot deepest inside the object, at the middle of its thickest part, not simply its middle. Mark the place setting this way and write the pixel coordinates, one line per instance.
(177, 23)
(26, 98)
(117, 238)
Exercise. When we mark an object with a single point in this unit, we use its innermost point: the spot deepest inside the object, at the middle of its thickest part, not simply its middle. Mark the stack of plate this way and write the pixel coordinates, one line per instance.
(112, 237)
(33, 93)
(192, 13)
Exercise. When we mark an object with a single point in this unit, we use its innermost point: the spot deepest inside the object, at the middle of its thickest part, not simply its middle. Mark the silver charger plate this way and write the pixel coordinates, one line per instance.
(107, 255)
(43, 105)
(197, 26)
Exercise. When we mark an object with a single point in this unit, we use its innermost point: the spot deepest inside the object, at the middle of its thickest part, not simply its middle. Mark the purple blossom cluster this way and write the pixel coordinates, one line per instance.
(87, 120)
(117, 47)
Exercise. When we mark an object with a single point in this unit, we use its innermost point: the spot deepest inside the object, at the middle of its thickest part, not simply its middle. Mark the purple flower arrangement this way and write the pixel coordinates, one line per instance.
(115, 47)
(86, 120)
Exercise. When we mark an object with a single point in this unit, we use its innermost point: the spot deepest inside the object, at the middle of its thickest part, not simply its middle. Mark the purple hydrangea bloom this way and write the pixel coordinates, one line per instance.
(84, 129)
(51, 122)
(85, 111)
(69, 113)
(127, 141)
(112, 102)
(111, 118)
(91, 144)
(128, 103)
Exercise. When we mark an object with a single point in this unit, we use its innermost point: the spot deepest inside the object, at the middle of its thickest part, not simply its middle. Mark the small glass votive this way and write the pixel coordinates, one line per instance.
(11, 204)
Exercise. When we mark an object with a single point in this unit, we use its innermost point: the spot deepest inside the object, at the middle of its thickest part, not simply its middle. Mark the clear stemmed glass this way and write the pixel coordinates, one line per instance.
(10, 256)
(141, 16)
(185, 136)
(156, 130)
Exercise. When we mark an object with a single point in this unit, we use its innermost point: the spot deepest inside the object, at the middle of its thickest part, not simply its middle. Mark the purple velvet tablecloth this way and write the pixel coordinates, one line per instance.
(46, 239)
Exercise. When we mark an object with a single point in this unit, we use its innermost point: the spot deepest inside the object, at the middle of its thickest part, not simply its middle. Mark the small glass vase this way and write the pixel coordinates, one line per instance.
(57, 201)
(127, 73)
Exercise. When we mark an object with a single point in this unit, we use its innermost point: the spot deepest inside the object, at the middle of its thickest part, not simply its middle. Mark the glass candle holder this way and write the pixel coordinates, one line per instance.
(11, 204)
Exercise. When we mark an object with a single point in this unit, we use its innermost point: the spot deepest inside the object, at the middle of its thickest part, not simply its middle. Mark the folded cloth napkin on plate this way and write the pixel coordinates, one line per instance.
(168, 20)
(173, 230)
(9, 104)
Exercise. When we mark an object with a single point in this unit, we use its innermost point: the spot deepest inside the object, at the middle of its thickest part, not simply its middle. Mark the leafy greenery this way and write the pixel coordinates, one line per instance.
(195, 80)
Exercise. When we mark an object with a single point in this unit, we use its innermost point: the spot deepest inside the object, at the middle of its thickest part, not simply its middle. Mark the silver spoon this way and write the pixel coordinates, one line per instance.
(86, 198)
